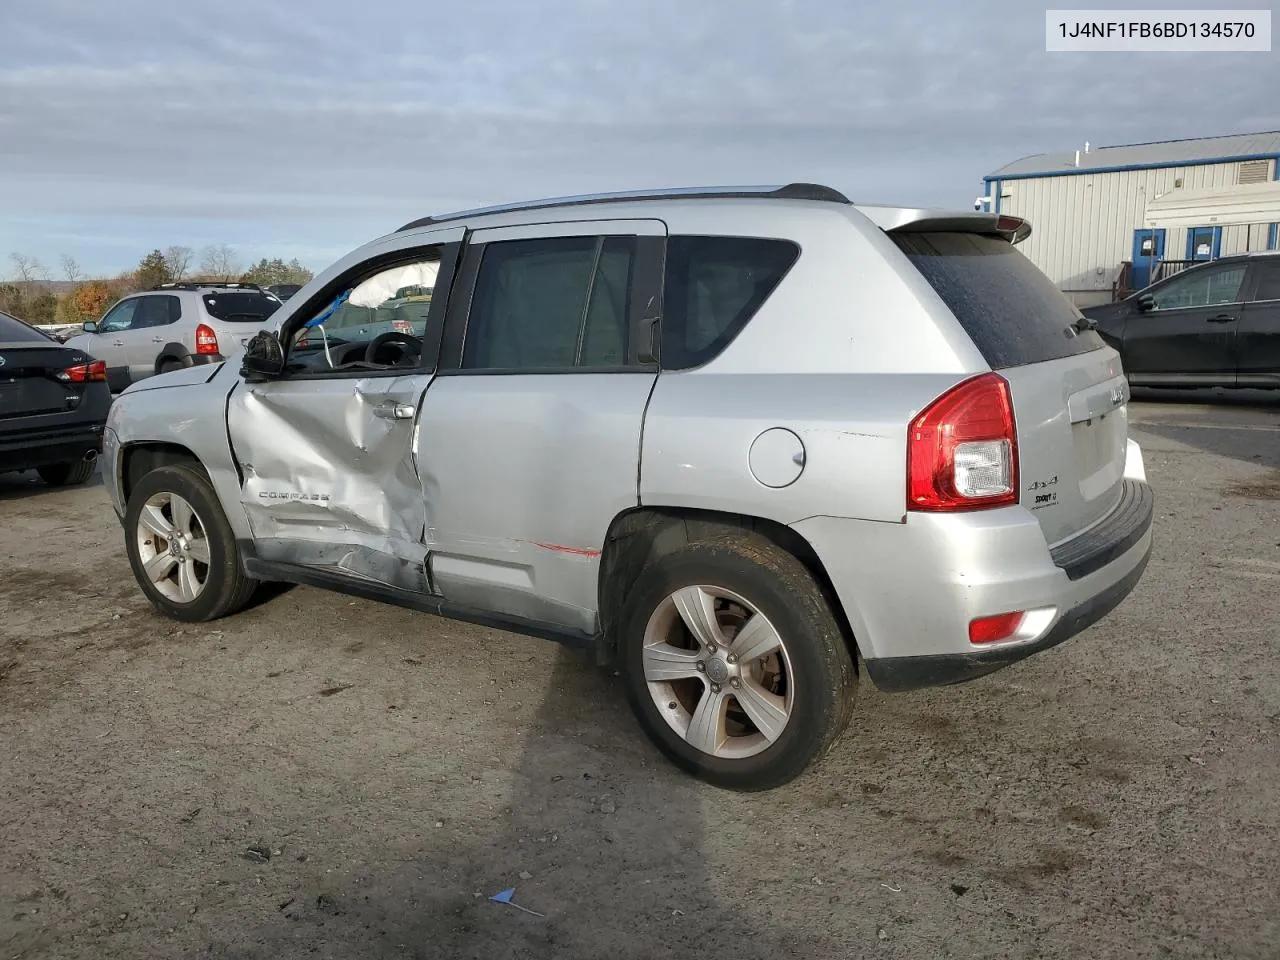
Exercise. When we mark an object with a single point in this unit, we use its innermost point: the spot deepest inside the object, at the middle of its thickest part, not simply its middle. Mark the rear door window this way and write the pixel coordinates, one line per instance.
(553, 303)
(714, 286)
(249, 306)
(1012, 312)
(1267, 287)
(13, 330)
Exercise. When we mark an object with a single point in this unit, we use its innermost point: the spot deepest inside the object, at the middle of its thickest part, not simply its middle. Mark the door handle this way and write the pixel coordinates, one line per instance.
(393, 411)
(117, 343)
(157, 339)
(1222, 318)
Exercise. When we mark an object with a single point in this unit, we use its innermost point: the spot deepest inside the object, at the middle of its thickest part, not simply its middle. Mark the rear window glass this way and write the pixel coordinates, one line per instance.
(240, 305)
(1010, 309)
(714, 285)
(15, 331)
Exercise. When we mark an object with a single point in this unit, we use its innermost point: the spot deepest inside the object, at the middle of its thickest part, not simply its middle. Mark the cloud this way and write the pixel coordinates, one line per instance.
(253, 122)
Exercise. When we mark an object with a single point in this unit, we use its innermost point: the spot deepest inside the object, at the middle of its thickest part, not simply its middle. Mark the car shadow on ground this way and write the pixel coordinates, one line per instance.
(20, 486)
(1214, 396)
(1238, 424)
(608, 845)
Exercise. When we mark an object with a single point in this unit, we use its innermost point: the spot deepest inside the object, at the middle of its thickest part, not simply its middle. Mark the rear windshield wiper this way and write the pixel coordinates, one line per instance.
(1084, 324)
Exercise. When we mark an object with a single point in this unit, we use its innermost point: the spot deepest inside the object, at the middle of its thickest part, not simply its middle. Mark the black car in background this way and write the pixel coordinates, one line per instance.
(1216, 324)
(53, 405)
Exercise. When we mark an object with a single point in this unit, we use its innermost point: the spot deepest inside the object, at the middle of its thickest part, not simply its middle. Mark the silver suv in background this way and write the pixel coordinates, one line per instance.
(176, 325)
(743, 443)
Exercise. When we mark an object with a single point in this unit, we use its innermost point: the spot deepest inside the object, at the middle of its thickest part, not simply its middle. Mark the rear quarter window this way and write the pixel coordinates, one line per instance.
(1012, 312)
(249, 306)
(713, 287)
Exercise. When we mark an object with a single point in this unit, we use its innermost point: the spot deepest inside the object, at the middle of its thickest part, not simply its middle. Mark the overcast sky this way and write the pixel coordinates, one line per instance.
(305, 129)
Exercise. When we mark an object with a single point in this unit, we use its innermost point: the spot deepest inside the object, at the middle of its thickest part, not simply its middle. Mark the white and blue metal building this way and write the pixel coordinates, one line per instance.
(1153, 205)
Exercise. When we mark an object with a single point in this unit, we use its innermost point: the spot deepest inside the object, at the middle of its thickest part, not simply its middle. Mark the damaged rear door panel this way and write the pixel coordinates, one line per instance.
(330, 477)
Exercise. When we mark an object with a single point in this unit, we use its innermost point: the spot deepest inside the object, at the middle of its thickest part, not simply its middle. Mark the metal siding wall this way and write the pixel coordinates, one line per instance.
(1083, 223)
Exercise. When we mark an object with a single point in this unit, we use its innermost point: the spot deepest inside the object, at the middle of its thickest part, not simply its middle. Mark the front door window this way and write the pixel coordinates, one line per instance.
(120, 318)
(1201, 287)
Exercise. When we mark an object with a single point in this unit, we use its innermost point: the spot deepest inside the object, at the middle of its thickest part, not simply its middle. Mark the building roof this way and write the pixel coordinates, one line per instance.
(1162, 153)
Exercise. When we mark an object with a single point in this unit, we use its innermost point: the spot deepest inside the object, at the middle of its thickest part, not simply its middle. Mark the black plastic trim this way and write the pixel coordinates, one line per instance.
(792, 191)
(1111, 538)
(370, 590)
(900, 674)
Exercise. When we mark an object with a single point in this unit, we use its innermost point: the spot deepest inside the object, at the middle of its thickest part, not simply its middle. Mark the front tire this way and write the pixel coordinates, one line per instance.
(66, 474)
(734, 664)
(181, 548)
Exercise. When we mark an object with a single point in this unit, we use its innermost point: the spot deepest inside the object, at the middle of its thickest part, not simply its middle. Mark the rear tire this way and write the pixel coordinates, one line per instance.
(170, 365)
(181, 548)
(67, 474)
(783, 710)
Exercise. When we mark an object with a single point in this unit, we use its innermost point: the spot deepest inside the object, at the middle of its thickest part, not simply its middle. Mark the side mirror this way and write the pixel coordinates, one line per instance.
(90, 326)
(1146, 302)
(263, 358)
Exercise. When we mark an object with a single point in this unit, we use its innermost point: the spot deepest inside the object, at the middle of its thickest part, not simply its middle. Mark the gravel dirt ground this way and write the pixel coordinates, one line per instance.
(334, 778)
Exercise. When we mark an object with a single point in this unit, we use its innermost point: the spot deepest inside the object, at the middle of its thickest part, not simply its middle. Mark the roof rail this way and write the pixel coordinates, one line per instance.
(206, 285)
(791, 191)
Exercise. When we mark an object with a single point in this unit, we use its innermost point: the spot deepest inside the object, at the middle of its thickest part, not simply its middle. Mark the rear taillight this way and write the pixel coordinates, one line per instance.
(962, 450)
(206, 339)
(85, 372)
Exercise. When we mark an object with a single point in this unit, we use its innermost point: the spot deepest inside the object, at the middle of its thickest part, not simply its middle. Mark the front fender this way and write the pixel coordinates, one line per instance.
(186, 409)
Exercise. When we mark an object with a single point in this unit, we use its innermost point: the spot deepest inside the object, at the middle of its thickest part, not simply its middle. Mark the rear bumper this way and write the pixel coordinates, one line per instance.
(63, 445)
(897, 674)
(911, 589)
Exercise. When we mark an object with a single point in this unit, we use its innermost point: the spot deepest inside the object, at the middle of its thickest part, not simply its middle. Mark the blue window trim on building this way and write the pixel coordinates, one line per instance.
(1215, 252)
(1274, 228)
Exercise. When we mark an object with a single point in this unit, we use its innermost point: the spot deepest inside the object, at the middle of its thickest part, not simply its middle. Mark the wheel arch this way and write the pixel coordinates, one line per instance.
(175, 351)
(639, 536)
(139, 459)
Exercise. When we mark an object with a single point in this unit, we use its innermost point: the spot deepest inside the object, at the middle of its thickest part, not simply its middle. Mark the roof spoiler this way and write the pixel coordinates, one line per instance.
(906, 220)
(1013, 229)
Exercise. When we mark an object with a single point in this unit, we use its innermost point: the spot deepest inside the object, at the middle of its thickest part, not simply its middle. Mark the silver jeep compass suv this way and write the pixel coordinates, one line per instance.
(735, 441)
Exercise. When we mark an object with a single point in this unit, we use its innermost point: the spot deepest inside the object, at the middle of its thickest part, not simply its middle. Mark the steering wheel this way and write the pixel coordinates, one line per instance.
(406, 340)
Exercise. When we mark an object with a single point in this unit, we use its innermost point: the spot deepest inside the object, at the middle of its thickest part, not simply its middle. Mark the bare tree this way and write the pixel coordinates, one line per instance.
(218, 262)
(179, 261)
(30, 270)
(71, 270)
